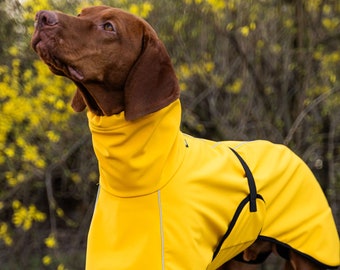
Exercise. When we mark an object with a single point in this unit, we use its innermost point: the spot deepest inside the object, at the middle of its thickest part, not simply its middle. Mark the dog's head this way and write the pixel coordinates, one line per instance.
(115, 59)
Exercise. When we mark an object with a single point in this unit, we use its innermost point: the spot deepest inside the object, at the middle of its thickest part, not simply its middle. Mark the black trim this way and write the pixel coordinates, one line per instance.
(283, 251)
(251, 182)
(251, 198)
(233, 222)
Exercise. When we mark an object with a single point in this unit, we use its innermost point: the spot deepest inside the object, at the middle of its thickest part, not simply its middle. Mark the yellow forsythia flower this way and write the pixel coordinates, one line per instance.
(24, 217)
(61, 267)
(47, 260)
(142, 10)
(60, 212)
(4, 235)
(244, 31)
(51, 241)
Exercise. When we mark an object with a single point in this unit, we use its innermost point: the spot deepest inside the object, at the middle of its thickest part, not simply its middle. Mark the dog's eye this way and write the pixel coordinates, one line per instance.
(108, 27)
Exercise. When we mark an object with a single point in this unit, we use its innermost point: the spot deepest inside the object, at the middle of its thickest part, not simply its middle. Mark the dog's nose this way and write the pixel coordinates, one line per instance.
(45, 18)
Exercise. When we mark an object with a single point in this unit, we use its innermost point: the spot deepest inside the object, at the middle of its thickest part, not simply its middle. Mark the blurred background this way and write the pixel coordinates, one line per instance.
(265, 69)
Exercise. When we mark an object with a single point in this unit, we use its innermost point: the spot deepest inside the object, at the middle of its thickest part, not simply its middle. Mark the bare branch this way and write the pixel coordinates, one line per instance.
(304, 112)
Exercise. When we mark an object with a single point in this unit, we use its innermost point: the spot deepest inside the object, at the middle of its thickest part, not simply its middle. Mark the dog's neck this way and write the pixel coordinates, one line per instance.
(139, 157)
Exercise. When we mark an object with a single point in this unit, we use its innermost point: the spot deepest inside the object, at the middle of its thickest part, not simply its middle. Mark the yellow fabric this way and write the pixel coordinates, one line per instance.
(248, 225)
(166, 198)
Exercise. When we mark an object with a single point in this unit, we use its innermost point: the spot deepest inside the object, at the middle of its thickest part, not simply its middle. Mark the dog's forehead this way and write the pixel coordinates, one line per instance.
(94, 10)
(106, 13)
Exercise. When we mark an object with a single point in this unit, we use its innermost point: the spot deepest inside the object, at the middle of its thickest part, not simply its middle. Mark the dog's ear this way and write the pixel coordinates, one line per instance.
(151, 84)
(78, 104)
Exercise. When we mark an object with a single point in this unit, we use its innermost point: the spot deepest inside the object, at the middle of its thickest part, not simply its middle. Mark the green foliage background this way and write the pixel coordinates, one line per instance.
(248, 70)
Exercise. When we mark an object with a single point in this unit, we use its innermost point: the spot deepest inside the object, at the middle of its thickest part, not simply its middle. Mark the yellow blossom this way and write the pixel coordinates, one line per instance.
(93, 176)
(61, 267)
(231, 5)
(183, 86)
(217, 5)
(244, 30)
(8, 240)
(10, 152)
(16, 204)
(60, 212)
(52, 136)
(184, 71)
(209, 66)
(330, 23)
(51, 241)
(332, 78)
(13, 51)
(235, 87)
(260, 44)
(4, 234)
(276, 48)
(230, 26)
(24, 217)
(76, 178)
(60, 104)
(142, 10)
(47, 260)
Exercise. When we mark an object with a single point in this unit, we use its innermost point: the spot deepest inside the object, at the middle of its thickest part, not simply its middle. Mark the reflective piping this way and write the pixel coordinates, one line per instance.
(96, 201)
(161, 227)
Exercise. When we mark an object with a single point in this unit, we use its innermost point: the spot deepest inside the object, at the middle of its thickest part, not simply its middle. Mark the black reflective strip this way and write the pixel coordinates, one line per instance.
(251, 182)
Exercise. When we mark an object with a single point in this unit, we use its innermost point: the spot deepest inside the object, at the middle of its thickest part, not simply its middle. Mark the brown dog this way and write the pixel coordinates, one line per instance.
(119, 65)
(106, 84)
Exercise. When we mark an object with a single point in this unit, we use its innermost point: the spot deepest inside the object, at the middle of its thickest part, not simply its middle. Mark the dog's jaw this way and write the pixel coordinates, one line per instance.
(45, 41)
(55, 64)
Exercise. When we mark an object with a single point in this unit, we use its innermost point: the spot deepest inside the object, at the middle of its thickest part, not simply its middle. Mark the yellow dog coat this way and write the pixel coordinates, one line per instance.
(170, 201)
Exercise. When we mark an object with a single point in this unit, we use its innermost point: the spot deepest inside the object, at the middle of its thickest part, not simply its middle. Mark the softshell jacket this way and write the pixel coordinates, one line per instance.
(170, 201)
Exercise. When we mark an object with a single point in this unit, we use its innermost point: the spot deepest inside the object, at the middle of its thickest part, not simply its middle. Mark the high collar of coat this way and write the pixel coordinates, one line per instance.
(138, 157)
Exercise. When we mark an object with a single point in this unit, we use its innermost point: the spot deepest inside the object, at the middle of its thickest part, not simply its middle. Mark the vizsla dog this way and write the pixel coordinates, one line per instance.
(168, 200)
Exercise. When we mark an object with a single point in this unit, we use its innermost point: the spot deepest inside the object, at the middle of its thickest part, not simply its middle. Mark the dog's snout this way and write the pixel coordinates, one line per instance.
(45, 18)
